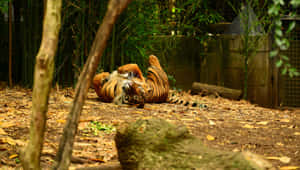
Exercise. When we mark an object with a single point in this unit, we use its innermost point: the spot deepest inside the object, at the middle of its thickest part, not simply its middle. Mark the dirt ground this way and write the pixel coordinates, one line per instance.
(224, 124)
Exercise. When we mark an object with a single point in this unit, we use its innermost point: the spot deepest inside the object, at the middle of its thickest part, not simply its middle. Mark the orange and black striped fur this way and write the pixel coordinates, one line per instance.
(127, 85)
(124, 86)
(158, 87)
(157, 82)
(183, 98)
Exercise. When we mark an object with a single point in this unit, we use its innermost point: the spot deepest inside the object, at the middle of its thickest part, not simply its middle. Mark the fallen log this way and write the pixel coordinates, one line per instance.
(157, 144)
(207, 89)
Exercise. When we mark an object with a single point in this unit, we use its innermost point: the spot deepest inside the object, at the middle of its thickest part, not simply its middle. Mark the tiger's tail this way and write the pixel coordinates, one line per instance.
(179, 98)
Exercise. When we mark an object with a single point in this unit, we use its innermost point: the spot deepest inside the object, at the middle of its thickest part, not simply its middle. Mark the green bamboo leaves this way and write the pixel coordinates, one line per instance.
(281, 42)
(4, 6)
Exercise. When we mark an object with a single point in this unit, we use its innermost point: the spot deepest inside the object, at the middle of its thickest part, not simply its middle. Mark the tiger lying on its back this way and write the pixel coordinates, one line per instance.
(124, 86)
(128, 86)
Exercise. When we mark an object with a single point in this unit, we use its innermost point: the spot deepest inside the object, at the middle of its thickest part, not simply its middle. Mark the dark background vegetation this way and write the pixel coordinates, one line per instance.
(136, 35)
(146, 27)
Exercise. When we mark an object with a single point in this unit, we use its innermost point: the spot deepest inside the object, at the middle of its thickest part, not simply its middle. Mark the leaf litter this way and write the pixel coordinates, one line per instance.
(224, 124)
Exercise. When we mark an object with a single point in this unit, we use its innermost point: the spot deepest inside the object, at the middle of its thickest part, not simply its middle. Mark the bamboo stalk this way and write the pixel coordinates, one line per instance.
(10, 45)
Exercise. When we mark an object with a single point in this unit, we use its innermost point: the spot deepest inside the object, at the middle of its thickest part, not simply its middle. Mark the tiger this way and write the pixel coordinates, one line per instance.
(126, 85)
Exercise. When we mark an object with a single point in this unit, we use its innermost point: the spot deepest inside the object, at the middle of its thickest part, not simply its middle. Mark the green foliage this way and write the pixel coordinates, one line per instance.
(17, 160)
(133, 31)
(97, 127)
(130, 39)
(172, 80)
(281, 41)
(4, 6)
(134, 35)
(193, 17)
(80, 21)
(295, 3)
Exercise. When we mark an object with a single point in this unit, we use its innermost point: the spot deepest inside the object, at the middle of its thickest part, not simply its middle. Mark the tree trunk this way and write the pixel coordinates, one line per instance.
(207, 89)
(115, 7)
(157, 144)
(43, 75)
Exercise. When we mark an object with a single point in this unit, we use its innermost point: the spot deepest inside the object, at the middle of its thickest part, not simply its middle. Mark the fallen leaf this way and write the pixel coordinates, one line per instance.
(283, 159)
(7, 124)
(51, 113)
(297, 133)
(145, 108)
(279, 144)
(262, 123)
(147, 117)
(61, 121)
(248, 126)
(8, 140)
(197, 118)
(284, 120)
(289, 167)
(97, 160)
(209, 137)
(188, 120)
(273, 158)
(138, 112)
(2, 132)
(20, 142)
(235, 150)
(211, 123)
(13, 156)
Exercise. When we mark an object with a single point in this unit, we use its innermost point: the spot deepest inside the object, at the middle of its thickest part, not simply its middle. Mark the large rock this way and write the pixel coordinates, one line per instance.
(157, 144)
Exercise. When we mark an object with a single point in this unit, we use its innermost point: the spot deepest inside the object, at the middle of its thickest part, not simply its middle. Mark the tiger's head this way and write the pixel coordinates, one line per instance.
(135, 91)
(123, 86)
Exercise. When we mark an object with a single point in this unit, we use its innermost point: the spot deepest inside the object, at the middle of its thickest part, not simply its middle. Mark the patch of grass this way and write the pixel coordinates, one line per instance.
(17, 160)
(97, 127)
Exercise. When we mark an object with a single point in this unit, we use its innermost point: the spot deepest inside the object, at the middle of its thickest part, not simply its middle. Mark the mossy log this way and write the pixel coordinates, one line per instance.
(157, 144)
(207, 89)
